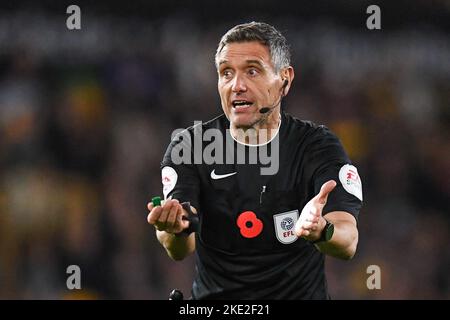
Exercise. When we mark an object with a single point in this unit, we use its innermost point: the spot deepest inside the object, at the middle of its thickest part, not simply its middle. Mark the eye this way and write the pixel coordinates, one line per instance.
(227, 74)
(253, 71)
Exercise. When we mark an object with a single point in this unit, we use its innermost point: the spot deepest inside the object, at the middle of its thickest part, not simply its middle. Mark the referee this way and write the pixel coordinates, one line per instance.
(263, 228)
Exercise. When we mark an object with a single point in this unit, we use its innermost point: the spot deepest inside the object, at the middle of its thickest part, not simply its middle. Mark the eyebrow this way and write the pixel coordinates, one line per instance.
(257, 62)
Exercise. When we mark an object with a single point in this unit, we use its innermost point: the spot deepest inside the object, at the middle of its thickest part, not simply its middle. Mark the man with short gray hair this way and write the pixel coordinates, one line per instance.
(260, 234)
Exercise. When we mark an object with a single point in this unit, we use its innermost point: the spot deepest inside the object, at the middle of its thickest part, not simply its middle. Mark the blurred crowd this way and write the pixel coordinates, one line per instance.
(83, 128)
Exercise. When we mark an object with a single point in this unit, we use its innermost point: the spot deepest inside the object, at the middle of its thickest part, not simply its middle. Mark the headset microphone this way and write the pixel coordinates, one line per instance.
(267, 109)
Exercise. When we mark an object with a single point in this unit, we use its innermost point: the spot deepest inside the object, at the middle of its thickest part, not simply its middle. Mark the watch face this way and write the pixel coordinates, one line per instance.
(329, 231)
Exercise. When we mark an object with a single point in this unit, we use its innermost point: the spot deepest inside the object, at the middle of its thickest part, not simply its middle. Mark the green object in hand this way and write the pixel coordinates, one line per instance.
(156, 201)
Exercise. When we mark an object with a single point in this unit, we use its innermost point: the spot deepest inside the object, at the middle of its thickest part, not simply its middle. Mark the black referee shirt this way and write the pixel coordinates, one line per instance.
(246, 247)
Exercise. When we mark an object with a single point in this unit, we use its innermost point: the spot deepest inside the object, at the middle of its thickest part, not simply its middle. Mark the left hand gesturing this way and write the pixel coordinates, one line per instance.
(311, 223)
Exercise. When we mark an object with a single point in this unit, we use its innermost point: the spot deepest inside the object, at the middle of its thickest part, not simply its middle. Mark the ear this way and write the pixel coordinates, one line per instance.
(287, 74)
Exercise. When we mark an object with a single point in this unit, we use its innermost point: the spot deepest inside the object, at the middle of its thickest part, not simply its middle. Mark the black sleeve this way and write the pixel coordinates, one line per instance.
(180, 177)
(330, 162)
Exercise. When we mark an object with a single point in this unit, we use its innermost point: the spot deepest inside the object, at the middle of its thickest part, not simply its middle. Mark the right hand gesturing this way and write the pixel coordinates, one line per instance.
(168, 217)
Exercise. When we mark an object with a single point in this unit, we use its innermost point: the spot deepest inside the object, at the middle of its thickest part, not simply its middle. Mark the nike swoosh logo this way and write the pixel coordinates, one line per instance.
(215, 176)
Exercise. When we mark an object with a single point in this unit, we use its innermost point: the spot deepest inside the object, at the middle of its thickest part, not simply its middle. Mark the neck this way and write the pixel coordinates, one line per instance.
(260, 133)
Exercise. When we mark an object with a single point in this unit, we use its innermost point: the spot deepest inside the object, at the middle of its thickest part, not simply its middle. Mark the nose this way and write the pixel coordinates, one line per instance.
(239, 84)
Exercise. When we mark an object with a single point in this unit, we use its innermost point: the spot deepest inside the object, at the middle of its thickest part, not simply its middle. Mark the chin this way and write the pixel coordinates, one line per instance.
(243, 121)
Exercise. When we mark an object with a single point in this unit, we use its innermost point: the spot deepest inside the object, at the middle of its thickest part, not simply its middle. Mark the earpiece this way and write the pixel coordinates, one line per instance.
(283, 88)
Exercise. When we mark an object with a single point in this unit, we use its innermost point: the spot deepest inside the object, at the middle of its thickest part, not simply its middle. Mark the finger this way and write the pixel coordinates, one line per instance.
(311, 226)
(307, 225)
(171, 218)
(153, 216)
(150, 206)
(184, 223)
(325, 190)
(167, 208)
(311, 219)
(299, 229)
(298, 232)
(168, 204)
(181, 222)
(165, 211)
(305, 233)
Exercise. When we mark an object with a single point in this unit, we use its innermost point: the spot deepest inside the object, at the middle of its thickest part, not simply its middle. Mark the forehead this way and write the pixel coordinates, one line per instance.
(241, 52)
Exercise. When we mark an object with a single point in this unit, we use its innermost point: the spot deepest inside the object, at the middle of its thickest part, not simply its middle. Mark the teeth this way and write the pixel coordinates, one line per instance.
(244, 106)
(241, 103)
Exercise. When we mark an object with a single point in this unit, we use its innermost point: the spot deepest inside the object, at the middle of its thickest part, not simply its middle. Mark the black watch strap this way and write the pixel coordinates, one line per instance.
(327, 232)
(192, 218)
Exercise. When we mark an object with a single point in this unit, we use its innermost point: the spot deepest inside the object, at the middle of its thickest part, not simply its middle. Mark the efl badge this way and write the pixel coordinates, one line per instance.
(284, 226)
(169, 180)
(349, 177)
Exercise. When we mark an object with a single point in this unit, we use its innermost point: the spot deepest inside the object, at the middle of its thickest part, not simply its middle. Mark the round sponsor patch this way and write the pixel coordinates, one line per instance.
(349, 177)
(169, 180)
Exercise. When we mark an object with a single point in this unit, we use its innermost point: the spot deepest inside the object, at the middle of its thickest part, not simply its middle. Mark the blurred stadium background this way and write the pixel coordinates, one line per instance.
(85, 117)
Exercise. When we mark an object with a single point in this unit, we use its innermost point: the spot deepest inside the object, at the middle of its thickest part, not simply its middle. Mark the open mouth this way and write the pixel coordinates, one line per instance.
(241, 104)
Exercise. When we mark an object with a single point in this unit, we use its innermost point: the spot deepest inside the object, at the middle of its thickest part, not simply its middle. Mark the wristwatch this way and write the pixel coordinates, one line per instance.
(193, 221)
(326, 233)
